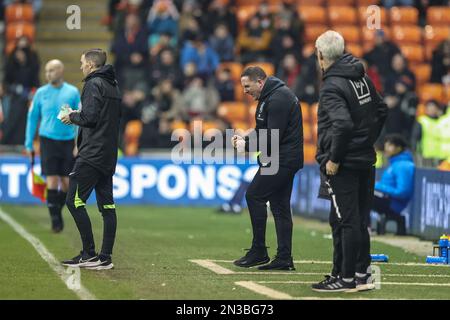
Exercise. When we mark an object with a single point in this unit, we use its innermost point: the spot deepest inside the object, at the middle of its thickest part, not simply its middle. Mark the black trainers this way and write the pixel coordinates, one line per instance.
(364, 283)
(254, 257)
(279, 264)
(333, 284)
(101, 262)
(80, 260)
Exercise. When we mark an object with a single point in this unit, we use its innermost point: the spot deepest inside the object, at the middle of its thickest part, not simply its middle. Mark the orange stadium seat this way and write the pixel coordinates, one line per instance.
(311, 2)
(422, 73)
(304, 106)
(178, 124)
(312, 32)
(268, 67)
(235, 68)
(342, 15)
(446, 94)
(19, 13)
(347, 3)
(368, 35)
(307, 132)
(308, 49)
(404, 15)
(438, 16)
(238, 92)
(313, 111)
(405, 34)
(251, 113)
(366, 3)
(431, 91)
(133, 131)
(244, 13)
(365, 14)
(240, 125)
(351, 34)
(312, 14)
(420, 111)
(18, 29)
(233, 111)
(414, 53)
(355, 49)
(429, 48)
(436, 34)
(309, 152)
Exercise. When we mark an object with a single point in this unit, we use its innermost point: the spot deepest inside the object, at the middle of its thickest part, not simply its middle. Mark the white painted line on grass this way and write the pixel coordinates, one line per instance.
(54, 264)
(382, 283)
(268, 292)
(214, 267)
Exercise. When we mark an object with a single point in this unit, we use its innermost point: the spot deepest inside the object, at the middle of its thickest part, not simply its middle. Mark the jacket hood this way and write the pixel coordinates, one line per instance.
(402, 156)
(346, 66)
(106, 72)
(271, 84)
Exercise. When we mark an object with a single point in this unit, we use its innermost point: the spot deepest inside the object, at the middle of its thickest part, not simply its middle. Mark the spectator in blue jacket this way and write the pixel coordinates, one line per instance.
(395, 189)
(198, 52)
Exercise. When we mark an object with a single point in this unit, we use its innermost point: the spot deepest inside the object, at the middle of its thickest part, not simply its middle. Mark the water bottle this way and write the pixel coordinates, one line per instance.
(443, 247)
(436, 260)
(379, 258)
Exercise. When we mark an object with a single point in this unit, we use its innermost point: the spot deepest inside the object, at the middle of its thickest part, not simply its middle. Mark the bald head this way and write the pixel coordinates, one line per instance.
(54, 72)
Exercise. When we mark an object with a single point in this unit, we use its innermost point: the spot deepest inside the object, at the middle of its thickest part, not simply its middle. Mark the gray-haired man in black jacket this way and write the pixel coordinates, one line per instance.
(350, 117)
(97, 158)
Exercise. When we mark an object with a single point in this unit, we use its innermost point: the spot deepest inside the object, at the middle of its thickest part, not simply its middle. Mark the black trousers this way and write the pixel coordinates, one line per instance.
(83, 179)
(382, 205)
(351, 194)
(277, 190)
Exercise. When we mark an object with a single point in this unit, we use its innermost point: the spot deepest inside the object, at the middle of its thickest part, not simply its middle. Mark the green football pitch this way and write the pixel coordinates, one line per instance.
(186, 253)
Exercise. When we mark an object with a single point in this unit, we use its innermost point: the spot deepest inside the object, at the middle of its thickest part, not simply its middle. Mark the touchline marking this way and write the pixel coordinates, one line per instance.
(260, 289)
(214, 267)
(377, 263)
(82, 293)
(382, 283)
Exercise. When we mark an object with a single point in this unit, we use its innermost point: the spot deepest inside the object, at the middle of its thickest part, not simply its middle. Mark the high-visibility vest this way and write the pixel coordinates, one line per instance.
(430, 145)
(444, 130)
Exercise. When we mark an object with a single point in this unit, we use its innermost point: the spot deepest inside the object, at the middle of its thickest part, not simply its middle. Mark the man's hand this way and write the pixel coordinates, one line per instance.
(66, 118)
(331, 168)
(238, 143)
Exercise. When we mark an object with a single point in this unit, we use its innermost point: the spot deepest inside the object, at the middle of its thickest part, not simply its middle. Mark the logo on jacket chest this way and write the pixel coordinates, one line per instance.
(259, 114)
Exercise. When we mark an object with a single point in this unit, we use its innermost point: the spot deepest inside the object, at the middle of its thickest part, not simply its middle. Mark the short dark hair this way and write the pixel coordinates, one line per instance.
(254, 73)
(397, 140)
(97, 56)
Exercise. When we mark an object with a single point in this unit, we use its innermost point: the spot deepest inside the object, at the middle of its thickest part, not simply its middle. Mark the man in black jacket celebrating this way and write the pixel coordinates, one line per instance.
(350, 117)
(278, 139)
(97, 157)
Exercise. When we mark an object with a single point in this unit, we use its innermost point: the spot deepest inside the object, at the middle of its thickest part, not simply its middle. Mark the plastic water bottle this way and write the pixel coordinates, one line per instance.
(436, 260)
(443, 247)
(379, 258)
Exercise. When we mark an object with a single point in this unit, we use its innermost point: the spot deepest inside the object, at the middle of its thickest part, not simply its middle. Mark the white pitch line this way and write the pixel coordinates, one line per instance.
(382, 283)
(82, 293)
(214, 267)
(377, 263)
(268, 292)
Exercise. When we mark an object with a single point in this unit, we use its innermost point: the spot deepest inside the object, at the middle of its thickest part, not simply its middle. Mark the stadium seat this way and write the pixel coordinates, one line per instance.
(436, 34)
(178, 124)
(239, 92)
(420, 111)
(422, 73)
(366, 3)
(133, 131)
(243, 13)
(268, 67)
(342, 15)
(311, 2)
(438, 15)
(308, 49)
(16, 30)
(240, 125)
(306, 114)
(312, 14)
(307, 133)
(313, 112)
(19, 13)
(406, 34)
(233, 111)
(312, 32)
(309, 152)
(355, 49)
(431, 91)
(429, 48)
(414, 53)
(346, 3)
(251, 113)
(235, 68)
(404, 15)
(351, 34)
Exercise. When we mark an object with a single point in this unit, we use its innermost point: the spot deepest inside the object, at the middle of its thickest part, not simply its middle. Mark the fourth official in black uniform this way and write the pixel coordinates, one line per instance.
(278, 112)
(350, 117)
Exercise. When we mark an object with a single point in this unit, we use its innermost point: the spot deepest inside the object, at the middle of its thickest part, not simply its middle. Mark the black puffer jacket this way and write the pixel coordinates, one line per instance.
(278, 108)
(99, 118)
(350, 117)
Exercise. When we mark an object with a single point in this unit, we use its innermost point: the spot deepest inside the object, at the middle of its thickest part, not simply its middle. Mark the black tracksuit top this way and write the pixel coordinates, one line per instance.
(351, 115)
(99, 118)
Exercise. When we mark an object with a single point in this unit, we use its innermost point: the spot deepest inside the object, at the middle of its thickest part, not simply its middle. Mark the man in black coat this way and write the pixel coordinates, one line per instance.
(278, 139)
(350, 117)
(95, 164)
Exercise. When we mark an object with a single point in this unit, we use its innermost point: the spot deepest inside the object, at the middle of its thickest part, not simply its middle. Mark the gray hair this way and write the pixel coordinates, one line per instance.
(331, 44)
